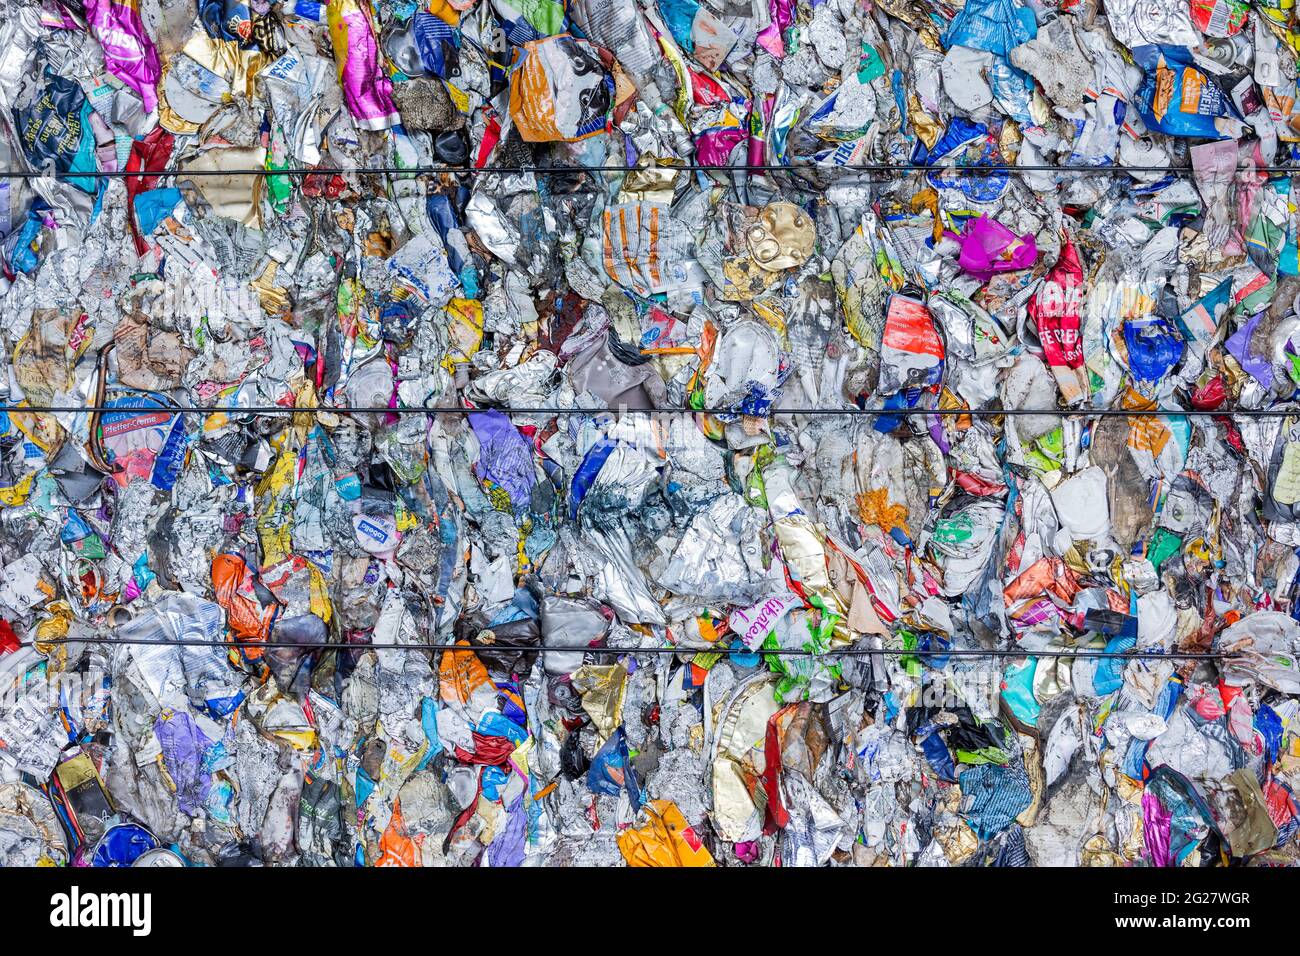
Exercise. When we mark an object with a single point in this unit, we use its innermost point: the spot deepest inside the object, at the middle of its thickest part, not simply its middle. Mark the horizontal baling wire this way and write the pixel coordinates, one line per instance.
(519, 170)
(631, 651)
(592, 412)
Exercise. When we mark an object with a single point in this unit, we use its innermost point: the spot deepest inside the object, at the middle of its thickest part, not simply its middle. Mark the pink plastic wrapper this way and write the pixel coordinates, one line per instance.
(129, 53)
(367, 90)
(760, 112)
(770, 37)
(988, 247)
(714, 147)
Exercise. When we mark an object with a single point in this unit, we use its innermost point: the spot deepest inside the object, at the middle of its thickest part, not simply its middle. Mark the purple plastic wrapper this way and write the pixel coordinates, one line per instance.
(129, 53)
(507, 849)
(183, 745)
(367, 90)
(988, 247)
(1238, 346)
(506, 457)
(1156, 821)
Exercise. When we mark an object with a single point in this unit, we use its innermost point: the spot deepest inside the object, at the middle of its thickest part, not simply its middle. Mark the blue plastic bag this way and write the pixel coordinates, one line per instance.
(611, 770)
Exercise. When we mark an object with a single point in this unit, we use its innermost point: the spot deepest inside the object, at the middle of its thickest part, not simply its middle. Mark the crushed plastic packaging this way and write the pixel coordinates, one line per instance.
(825, 432)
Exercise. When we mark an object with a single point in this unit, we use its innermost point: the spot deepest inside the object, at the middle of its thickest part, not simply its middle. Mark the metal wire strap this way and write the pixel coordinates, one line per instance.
(875, 412)
(552, 169)
(624, 651)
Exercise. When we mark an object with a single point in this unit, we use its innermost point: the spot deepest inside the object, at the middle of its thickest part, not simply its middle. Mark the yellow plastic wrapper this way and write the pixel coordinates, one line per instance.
(665, 840)
(602, 689)
(465, 325)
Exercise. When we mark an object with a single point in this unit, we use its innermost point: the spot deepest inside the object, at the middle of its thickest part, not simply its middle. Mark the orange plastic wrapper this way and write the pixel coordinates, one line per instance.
(1044, 576)
(246, 619)
(559, 90)
(666, 840)
(395, 847)
(460, 675)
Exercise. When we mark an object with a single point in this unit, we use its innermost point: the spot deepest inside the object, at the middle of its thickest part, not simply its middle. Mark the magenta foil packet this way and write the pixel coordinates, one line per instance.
(129, 52)
(367, 90)
(988, 247)
(770, 37)
(714, 147)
